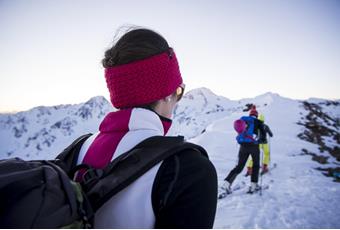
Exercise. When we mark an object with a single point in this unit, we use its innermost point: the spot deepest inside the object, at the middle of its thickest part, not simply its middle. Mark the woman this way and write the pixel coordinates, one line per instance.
(144, 81)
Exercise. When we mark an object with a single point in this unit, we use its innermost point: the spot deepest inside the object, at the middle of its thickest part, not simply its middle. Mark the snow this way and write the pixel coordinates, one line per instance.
(43, 132)
(299, 196)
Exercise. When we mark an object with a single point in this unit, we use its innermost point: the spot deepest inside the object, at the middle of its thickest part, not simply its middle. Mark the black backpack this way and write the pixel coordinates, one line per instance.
(43, 194)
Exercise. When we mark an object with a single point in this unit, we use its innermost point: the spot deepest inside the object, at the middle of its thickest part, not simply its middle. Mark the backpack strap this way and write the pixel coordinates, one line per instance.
(251, 138)
(101, 185)
(67, 159)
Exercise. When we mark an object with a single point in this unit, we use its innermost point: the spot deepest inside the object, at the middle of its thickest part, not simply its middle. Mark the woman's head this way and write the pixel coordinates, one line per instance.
(141, 70)
(135, 45)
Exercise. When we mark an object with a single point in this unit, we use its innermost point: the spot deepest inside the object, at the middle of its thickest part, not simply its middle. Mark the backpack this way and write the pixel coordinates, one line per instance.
(43, 194)
(246, 135)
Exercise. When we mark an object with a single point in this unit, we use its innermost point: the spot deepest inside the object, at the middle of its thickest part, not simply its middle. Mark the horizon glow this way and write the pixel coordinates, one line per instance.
(50, 51)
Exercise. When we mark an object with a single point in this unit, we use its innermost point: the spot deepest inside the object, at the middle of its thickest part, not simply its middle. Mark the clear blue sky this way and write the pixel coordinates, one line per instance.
(50, 50)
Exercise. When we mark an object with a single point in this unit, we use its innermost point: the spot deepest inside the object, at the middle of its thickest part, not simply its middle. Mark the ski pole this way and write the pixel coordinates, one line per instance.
(261, 158)
(270, 153)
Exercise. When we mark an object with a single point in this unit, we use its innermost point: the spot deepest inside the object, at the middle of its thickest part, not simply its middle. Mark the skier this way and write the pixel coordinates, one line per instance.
(265, 148)
(248, 146)
(145, 84)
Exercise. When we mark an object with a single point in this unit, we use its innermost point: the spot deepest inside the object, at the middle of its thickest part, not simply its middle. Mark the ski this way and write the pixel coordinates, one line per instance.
(233, 189)
(257, 190)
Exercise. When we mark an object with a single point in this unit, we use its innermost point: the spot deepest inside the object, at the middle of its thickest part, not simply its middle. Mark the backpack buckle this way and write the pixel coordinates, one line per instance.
(91, 175)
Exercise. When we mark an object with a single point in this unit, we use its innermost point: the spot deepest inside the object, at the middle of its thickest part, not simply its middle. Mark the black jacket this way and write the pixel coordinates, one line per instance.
(267, 131)
(259, 130)
(184, 193)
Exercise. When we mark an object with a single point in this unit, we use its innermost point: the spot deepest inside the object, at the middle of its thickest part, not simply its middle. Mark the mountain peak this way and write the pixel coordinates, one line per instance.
(97, 100)
(202, 90)
(269, 94)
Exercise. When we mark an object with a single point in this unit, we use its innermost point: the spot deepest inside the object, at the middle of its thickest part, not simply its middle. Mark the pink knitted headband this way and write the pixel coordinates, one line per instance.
(144, 81)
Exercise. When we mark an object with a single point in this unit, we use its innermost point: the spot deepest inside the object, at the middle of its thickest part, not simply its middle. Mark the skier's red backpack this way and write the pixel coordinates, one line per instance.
(40, 194)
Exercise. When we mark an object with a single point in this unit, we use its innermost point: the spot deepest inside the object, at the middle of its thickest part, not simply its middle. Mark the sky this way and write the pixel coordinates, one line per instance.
(50, 50)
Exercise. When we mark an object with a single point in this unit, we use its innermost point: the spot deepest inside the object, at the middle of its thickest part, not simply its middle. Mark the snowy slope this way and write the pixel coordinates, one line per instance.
(299, 196)
(197, 110)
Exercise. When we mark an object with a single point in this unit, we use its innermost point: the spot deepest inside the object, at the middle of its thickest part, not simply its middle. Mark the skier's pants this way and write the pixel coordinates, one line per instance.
(243, 154)
(266, 156)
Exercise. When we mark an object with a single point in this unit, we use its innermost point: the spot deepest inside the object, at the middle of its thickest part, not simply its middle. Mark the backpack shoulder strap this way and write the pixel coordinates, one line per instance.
(129, 166)
(67, 159)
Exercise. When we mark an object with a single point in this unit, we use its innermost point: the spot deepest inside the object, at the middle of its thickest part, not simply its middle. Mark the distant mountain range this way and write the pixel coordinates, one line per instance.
(42, 132)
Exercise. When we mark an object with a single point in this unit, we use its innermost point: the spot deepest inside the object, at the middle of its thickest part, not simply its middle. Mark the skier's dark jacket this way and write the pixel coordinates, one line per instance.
(180, 192)
(266, 130)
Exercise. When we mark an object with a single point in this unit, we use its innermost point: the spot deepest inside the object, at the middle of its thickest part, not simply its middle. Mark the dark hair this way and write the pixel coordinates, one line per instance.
(135, 45)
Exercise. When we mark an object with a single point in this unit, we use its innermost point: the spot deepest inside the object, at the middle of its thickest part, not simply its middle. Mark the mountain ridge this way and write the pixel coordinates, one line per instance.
(34, 133)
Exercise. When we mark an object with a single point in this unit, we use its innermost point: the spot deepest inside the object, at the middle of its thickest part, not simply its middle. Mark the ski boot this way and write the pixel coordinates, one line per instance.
(254, 187)
(264, 169)
(226, 187)
(249, 171)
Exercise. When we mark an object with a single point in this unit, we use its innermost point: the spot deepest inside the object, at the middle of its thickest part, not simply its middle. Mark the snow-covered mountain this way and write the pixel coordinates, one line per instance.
(201, 107)
(43, 132)
(304, 147)
(306, 138)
